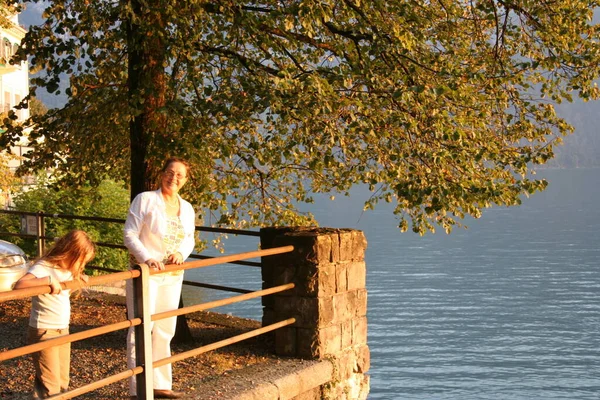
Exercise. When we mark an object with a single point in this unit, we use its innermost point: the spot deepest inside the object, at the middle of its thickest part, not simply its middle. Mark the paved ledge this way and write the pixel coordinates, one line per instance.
(277, 381)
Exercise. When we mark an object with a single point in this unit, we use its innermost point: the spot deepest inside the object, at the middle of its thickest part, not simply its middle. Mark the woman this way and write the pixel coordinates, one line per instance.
(159, 230)
(51, 313)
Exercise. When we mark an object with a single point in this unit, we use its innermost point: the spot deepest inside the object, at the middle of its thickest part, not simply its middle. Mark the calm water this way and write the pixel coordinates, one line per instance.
(508, 309)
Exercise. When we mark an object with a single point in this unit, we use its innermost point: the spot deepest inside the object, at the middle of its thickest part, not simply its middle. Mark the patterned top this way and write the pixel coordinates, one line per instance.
(173, 239)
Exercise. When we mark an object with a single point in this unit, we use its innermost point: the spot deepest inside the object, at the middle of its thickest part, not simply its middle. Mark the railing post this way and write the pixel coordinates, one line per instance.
(41, 233)
(143, 339)
(329, 302)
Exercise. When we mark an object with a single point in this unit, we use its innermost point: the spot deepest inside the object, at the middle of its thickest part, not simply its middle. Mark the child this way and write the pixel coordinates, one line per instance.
(51, 313)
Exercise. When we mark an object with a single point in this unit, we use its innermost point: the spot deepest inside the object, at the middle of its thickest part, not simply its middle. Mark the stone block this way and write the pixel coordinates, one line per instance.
(345, 362)
(345, 245)
(341, 277)
(329, 340)
(306, 345)
(310, 244)
(359, 330)
(268, 302)
(315, 312)
(355, 387)
(359, 302)
(343, 306)
(320, 343)
(268, 316)
(325, 281)
(268, 235)
(323, 249)
(312, 394)
(359, 246)
(327, 313)
(347, 333)
(335, 247)
(357, 275)
(363, 359)
(286, 341)
(279, 275)
(304, 384)
(306, 310)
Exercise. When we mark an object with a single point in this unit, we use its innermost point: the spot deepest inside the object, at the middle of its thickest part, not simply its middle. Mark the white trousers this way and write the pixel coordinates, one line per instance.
(164, 292)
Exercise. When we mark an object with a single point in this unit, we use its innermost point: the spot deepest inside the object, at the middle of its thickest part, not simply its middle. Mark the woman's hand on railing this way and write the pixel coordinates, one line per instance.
(152, 263)
(175, 258)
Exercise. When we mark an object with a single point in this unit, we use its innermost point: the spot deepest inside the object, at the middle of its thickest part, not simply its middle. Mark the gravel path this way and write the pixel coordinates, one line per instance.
(99, 357)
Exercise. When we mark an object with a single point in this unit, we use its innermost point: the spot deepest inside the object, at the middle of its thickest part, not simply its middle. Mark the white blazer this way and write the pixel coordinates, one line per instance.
(145, 227)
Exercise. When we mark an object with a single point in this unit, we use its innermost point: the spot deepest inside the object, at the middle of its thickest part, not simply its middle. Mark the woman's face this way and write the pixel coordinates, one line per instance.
(173, 178)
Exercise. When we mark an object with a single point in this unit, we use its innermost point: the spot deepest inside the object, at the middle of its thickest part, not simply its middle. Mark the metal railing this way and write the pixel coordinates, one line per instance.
(33, 226)
(142, 320)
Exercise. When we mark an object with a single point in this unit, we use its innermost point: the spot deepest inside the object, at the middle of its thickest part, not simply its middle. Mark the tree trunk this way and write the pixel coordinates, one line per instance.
(147, 94)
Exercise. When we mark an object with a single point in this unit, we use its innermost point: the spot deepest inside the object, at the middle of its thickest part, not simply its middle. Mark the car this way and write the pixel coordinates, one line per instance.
(13, 264)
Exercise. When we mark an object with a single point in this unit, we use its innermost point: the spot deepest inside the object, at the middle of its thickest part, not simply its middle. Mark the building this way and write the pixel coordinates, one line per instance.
(14, 82)
(14, 86)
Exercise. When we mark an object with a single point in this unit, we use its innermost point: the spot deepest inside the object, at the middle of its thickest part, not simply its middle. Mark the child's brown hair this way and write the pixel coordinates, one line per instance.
(72, 252)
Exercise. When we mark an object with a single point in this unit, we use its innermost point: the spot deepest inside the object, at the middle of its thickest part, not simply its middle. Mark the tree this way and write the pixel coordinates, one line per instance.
(444, 108)
(108, 200)
(8, 181)
(36, 107)
(7, 8)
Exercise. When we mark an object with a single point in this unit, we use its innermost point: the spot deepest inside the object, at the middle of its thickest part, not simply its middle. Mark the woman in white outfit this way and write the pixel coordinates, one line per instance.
(160, 230)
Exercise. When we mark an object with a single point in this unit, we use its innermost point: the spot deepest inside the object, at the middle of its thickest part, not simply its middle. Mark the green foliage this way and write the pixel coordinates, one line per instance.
(7, 8)
(36, 107)
(108, 200)
(443, 108)
(8, 181)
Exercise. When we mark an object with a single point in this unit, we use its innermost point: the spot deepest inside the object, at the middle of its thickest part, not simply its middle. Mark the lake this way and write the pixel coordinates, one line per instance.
(506, 309)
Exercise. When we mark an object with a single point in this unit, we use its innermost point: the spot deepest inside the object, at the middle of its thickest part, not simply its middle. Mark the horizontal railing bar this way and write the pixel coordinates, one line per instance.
(74, 285)
(65, 216)
(227, 230)
(97, 280)
(197, 256)
(111, 245)
(216, 287)
(98, 384)
(73, 337)
(248, 263)
(224, 259)
(222, 343)
(122, 221)
(222, 302)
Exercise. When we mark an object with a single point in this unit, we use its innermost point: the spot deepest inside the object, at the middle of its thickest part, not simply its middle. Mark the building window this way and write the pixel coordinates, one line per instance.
(6, 107)
(7, 48)
(15, 49)
(19, 112)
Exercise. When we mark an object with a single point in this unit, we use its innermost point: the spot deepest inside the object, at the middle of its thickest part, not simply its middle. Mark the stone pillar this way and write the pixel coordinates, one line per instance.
(329, 302)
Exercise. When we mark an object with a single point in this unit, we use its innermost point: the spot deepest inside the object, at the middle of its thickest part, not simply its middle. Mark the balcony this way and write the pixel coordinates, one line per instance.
(6, 68)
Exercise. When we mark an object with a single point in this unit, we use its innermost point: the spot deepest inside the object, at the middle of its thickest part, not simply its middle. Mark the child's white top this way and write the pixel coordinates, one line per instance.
(50, 311)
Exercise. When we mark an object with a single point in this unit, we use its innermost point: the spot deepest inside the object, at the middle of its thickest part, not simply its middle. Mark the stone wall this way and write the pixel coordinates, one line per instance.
(329, 303)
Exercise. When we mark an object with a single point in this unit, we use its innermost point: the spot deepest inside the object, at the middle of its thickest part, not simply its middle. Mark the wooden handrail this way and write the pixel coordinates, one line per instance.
(73, 285)
(136, 322)
(119, 276)
(73, 337)
(223, 343)
(222, 302)
(99, 383)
